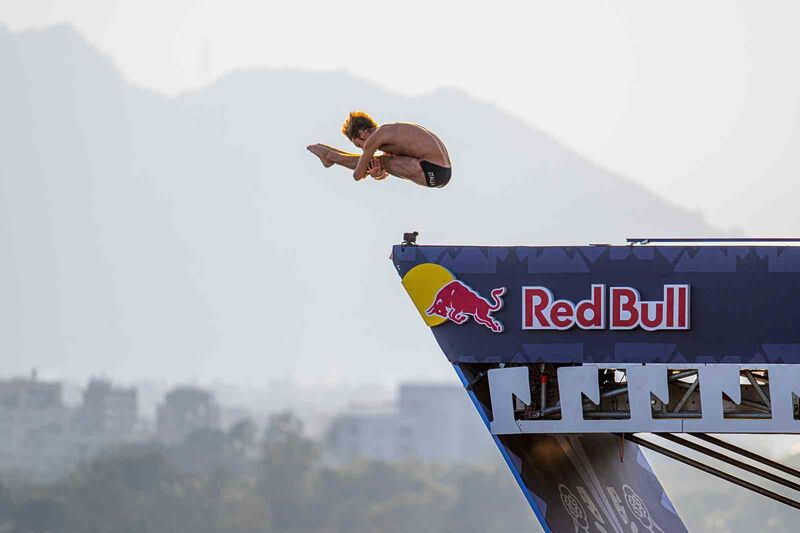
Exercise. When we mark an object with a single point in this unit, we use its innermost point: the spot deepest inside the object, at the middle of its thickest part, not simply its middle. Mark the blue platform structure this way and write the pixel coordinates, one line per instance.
(569, 352)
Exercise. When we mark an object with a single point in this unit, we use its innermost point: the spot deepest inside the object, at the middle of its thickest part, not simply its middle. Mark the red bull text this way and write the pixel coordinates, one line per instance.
(541, 311)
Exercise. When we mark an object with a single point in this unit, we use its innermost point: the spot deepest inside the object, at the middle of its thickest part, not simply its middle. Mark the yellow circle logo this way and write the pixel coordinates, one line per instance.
(422, 283)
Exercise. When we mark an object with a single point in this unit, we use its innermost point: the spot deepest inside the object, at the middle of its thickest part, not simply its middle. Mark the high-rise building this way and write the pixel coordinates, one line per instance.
(186, 409)
(379, 436)
(430, 422)
(32, 419)
(446, 427)
(107, 410)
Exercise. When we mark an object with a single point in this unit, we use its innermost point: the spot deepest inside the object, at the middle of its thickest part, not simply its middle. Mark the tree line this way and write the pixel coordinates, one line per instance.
(241, 482)
(236, 482)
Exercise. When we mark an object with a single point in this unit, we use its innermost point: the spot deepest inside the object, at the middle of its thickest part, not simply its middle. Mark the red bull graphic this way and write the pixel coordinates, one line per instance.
(457, 302)
(541, 311)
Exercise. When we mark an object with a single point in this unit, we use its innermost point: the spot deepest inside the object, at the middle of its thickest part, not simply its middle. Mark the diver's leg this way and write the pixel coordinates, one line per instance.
(344, 159)
(321, 152)
(330, 156)
(329, 147)
(397, 165)
(404, 167)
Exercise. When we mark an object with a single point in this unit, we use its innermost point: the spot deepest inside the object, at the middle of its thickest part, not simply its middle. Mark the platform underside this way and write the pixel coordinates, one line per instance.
(597, 483)
(651, 398)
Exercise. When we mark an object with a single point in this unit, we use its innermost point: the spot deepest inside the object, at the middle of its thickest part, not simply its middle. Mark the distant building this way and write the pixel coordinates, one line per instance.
(430, 422)
(446, 426)
(109, 411)
(32, 419)
(373, 436)
(41, 436)
(186, 409)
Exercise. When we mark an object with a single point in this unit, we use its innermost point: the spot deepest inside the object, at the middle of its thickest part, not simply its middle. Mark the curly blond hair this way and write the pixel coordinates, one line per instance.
(357, 121)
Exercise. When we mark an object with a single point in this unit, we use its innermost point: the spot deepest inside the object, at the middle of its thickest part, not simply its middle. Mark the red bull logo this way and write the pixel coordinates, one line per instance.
(457, 302)
(440, 297)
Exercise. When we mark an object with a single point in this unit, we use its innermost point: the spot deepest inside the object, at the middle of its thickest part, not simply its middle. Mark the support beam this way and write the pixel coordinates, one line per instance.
(746, 453)
(713, 471)
(758, 388)
(729, 460)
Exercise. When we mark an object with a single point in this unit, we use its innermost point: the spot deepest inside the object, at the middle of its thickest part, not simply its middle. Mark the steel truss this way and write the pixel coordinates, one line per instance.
(638, 398)
(730, 460)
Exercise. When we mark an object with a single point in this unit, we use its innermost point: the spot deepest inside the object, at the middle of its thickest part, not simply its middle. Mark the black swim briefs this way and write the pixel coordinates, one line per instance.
(435, 176)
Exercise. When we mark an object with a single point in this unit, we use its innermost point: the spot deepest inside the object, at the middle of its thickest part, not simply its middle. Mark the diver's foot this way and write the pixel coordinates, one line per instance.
(322, 152)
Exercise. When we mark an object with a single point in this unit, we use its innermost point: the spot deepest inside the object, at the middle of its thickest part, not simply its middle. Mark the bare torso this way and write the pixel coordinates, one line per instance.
(414, 141)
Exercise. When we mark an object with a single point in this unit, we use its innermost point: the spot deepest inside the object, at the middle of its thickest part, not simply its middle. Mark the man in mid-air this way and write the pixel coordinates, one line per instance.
(409, 151)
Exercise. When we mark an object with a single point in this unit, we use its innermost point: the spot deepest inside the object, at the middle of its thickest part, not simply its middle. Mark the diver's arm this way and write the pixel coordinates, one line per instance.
(370, 147)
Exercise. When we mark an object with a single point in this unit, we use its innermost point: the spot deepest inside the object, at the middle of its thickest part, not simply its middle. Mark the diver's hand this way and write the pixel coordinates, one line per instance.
(375, 169)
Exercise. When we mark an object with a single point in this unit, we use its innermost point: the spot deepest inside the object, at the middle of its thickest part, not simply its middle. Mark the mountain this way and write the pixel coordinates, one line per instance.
(194, 237)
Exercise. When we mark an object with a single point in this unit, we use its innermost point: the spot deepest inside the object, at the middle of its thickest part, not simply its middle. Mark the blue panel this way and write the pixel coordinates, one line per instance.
(743, 305)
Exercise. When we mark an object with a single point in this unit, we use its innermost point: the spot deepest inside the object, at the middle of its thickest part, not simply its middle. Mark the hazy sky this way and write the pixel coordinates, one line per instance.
(696, 100)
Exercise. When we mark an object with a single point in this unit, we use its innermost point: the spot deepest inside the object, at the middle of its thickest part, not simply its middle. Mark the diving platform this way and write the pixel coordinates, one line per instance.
(570, 352)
